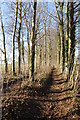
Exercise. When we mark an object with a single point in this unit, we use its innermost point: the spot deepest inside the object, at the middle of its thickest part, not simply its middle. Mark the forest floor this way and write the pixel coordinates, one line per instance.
(48, 99)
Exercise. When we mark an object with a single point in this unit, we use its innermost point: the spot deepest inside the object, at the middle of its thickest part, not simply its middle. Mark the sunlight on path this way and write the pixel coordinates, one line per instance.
(52, 100)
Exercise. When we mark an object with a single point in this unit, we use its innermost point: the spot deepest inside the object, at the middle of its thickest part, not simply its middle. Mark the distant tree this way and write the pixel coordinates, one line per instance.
(23, 50)
(49, 44)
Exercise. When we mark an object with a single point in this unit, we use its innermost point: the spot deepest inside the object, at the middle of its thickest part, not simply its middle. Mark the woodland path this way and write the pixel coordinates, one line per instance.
(52, 100)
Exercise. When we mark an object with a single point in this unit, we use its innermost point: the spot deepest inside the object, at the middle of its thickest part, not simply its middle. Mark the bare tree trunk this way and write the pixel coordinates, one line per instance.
(72, 41)
(36, 45)
(28, 50)
(28, 40)
(40, 53)
(45, 43)
(49, 47)
(40, 56)
(61, 26)
(23, 49)
(32, 51)
(36, 51)
(72, 32)
(67, 40)
(19, 44)
(62, 40)
(58, 48)
(23, 53)
(4, 47)
(13, 39)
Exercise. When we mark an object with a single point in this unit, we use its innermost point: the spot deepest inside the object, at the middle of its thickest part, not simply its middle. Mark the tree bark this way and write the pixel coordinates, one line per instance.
(72, 41)
(4, 47)
(67, 38)
(62, 40)
(28, 50)
(72, 32)
(23, 49)
(49, 48)
(32, 51)
(58, 47)
(13, 39)
(45, 43)
(19, 44)
(61, 26)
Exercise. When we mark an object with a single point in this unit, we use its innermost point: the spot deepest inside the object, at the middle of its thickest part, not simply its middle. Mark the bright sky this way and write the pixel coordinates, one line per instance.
(4, 9)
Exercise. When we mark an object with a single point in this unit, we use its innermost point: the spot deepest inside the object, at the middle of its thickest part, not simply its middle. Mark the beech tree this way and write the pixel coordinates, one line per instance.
(4, 45)
(18, 39)
(32, 50)
(13, 38)
(61, 27)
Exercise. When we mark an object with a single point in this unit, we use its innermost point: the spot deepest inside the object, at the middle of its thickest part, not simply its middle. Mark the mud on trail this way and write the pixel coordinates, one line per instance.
(52, 99)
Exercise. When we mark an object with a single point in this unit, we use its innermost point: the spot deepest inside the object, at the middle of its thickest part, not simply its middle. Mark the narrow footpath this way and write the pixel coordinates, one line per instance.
(53, 100)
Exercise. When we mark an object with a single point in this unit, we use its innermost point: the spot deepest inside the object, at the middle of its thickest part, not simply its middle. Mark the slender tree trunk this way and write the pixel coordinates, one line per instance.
(58, 47)
(4, 47)
(43, 55)
(35, 57)
(23, 53)
(62, 40)
(45, 43)
(40, 56)
(36, 45)
(67, 38)
(23, 49)
(49, 46)
(61, 26)
(28, 41)
(36, 50)
(49, 50)
(13, 39)
(28, 49)
(32, 51)
(19, 44)
(40, 53)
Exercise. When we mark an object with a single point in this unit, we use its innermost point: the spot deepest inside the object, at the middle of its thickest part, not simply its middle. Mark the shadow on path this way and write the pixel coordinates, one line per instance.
(45, 88)
(34, 103)
(28, 110)
(23, 109)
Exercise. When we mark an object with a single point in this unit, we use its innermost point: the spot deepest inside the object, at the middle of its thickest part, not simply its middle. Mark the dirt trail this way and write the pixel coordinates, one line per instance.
(48, 102)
